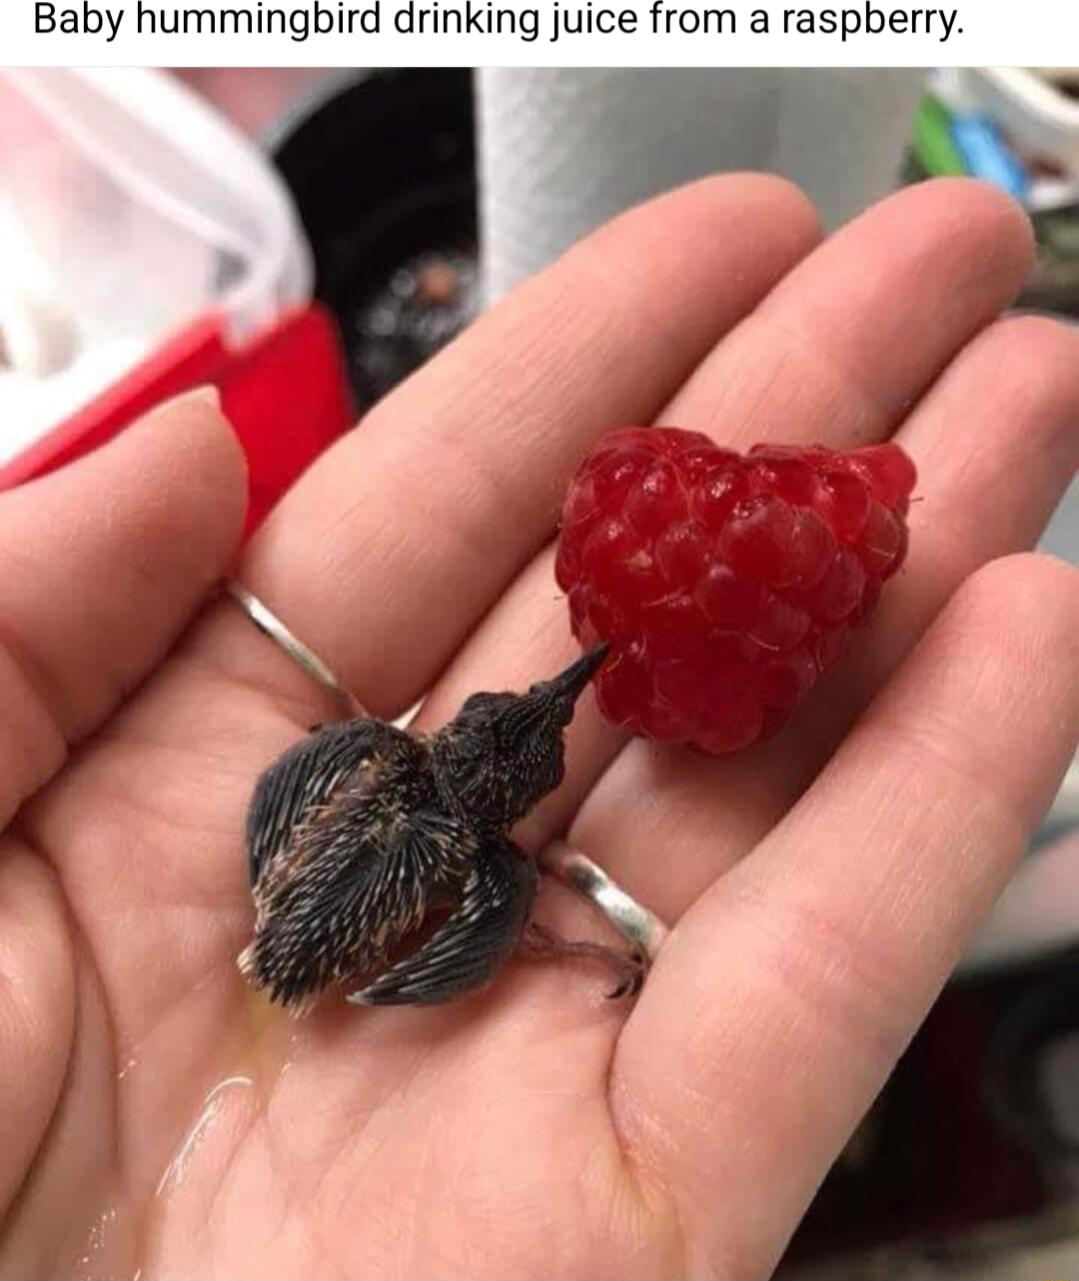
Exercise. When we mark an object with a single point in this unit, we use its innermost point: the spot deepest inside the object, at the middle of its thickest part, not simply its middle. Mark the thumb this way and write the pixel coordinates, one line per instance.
(101, 565)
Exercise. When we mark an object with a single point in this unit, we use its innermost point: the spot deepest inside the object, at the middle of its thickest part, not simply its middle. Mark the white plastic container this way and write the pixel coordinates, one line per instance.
(1029, 109)
(127, 209)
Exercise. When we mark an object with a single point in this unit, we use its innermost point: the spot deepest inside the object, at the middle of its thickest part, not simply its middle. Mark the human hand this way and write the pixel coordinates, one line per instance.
(159, 1119)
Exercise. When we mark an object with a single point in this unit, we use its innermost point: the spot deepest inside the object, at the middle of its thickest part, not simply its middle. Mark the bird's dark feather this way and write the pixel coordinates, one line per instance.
(471, 946)
(342, 868)
(303, 777)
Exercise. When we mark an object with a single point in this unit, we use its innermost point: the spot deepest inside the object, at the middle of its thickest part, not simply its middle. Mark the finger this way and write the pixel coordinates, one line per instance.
(399, 539)
(846, 343)
(37, 1009)
(996, 444)
(815, 361)
(101, 565)
(783, 998)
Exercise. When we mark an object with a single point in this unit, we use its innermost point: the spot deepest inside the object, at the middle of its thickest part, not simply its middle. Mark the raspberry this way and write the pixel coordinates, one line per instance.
(724, 584)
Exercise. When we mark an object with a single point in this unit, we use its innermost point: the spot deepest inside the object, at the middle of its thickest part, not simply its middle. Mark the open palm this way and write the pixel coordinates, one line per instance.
(158, 1119)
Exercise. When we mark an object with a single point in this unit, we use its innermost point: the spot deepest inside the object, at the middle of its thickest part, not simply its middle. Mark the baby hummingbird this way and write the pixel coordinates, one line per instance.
(362, 833)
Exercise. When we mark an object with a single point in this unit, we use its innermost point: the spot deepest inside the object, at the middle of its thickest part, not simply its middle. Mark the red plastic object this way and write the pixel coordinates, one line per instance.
(284, 393)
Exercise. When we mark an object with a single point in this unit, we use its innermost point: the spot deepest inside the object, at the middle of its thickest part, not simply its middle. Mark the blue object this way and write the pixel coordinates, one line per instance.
(987, 155)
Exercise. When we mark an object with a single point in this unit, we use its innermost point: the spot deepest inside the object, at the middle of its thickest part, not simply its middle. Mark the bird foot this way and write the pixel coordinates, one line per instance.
(541, 944)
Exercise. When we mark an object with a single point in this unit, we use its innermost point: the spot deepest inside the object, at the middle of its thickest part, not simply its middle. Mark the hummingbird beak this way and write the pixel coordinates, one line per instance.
(570, 684)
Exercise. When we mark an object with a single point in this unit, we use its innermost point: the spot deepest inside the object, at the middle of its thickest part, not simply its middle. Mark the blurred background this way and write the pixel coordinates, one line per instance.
(305, 238)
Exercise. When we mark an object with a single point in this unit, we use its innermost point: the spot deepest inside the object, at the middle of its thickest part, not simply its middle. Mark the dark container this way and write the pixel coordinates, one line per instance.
(382, 167)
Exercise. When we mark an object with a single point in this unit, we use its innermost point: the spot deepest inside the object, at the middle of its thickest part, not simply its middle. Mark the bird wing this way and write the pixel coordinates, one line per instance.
(304, 778)
(347, 893)
(473, 943)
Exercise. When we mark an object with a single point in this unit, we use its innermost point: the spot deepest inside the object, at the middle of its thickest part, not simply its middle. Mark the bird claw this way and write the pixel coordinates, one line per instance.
(540, 943)
(635, 966)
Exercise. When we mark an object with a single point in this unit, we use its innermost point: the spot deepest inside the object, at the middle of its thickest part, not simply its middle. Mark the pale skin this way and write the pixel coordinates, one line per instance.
(820, 888)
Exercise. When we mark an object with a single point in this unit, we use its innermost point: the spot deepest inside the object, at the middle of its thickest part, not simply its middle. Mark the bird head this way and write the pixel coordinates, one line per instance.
(503, 752)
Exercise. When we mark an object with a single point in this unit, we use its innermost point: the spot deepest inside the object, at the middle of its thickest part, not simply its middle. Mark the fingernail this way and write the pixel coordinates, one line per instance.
(206, 395)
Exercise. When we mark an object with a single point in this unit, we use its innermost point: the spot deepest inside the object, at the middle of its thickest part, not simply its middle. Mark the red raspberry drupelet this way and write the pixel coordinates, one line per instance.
(725, 584)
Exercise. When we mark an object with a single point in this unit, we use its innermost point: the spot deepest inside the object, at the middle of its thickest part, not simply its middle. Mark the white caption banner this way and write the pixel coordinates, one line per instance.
(536, 33)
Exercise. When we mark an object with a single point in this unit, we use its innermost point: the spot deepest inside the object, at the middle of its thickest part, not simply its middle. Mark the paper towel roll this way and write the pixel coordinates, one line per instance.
(563, 149)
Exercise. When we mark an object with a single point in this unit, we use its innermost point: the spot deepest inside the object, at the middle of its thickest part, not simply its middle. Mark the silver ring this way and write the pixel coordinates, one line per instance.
(270, 625)
(631, 919)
